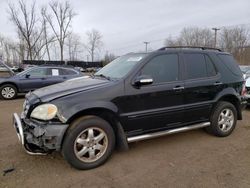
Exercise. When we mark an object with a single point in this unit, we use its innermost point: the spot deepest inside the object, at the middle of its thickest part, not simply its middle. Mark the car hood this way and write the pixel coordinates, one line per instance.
(69, 87)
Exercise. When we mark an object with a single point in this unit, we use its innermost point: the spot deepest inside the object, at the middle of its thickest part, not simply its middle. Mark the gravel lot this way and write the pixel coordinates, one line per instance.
(191, 159)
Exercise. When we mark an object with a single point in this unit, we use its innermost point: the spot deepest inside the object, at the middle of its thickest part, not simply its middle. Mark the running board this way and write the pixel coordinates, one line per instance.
(167, 132)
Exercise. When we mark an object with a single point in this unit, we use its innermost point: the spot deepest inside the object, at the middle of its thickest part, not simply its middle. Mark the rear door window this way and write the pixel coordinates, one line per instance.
(195, 66)
(53, 72)
(199, 66)
(211, 71)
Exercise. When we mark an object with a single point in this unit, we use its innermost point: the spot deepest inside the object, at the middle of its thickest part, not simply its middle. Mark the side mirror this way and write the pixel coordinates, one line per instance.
(27, 75)
(143, 80)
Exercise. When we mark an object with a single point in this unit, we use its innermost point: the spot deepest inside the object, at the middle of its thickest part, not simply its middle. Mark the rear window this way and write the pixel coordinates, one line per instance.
(230, 63)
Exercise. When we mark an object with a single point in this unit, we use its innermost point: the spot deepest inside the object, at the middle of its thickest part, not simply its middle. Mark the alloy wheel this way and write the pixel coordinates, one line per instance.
(8, 92)
(226, 120)
(91, 144)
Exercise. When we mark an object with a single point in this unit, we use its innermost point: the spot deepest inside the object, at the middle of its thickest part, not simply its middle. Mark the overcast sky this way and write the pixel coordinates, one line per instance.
(126, 24)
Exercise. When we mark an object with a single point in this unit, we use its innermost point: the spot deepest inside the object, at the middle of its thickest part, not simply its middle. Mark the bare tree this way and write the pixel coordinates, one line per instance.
(63, 14)
(48, 39)
(9, 50)
(94, 43)
(108, 58)
(192, 36)
(26, 21)
(234, 40)
(74, 46)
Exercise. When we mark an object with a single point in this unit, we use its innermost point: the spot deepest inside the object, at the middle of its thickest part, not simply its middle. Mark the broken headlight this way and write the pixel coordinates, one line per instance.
(44, 112)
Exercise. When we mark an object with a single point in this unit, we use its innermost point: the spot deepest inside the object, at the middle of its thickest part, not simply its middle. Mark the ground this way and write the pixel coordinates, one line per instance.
(190, 159)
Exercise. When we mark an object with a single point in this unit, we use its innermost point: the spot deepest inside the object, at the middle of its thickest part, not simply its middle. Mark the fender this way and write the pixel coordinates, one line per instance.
(121, 138)
(74, 110)
(226, 92)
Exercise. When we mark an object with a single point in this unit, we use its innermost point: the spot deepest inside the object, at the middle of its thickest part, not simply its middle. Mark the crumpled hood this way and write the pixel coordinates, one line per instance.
(69, 87)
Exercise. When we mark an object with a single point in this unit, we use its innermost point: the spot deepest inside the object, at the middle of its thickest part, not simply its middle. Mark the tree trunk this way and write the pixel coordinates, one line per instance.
(61, 51)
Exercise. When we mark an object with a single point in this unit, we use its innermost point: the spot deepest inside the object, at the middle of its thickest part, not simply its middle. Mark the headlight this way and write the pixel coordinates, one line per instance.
(44, 112)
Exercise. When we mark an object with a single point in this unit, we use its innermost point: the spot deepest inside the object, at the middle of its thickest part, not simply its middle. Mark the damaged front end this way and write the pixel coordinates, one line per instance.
(36, 136)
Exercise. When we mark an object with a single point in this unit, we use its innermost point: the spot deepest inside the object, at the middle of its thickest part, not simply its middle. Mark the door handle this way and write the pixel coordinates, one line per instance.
(217, 83)
(178, 88)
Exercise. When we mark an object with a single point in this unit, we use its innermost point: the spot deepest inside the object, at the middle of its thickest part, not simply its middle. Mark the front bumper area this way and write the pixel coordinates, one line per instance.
(39, 138)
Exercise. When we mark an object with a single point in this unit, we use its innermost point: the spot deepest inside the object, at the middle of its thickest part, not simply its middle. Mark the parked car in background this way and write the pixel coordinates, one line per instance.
(3, 68)
(245, 70)
(25, 67)
(135, 97)
(246, 74)
(34, 78)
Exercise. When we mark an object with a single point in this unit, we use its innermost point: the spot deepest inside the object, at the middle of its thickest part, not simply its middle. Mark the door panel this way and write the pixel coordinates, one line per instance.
(198, 97)
(159, 105)
(152, 107)
(33, 79)
(201, 86)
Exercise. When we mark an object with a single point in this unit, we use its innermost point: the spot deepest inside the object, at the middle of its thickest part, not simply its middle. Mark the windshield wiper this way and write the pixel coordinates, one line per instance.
(103, 76)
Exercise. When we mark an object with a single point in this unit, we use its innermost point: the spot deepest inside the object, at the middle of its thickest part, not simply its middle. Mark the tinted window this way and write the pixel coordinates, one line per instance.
(163, 68)
(37, 72)
(210, 67)
(66, 72)
(196, 66)
(230, 63)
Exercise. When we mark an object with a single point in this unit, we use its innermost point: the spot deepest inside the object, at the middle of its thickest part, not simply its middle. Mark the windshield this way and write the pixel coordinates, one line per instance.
(120, 66)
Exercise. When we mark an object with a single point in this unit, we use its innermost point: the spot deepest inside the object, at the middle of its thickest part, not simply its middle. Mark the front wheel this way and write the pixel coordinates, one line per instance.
(223, 119)
(88, 143)
(8, 92)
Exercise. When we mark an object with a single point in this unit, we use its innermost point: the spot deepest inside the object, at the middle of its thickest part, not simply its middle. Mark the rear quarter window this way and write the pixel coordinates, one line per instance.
(230, 63)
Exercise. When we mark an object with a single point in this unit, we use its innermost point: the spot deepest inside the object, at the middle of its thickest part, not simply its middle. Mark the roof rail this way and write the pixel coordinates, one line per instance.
(193, 47)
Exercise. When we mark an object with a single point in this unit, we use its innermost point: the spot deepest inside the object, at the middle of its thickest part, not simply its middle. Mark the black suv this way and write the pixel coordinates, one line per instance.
(137, 96)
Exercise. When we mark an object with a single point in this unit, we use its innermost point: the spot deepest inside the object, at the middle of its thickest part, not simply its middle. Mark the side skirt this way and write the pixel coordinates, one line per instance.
(167, 132)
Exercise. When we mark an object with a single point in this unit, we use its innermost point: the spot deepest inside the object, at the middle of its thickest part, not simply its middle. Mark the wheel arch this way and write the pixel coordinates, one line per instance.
(10, 83)
(233, 99)
(109, 116)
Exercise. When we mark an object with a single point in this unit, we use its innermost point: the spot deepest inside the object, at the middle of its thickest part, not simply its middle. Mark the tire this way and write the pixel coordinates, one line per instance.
(8, 92)
(223, 119)
(88, 143)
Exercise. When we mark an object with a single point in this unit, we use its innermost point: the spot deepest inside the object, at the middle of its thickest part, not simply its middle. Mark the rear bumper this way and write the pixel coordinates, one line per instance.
(38, 139)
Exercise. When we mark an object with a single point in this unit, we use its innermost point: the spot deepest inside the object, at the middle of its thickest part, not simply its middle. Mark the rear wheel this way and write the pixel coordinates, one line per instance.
(88, 143)
(8, 92)
(223, 119)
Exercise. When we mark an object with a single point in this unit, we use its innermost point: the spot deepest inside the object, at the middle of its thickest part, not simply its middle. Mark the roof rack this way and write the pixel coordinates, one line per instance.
(193, 47)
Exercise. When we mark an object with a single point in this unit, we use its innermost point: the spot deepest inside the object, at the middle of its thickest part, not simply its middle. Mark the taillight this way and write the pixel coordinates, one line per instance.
(244, 90)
